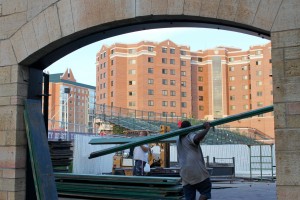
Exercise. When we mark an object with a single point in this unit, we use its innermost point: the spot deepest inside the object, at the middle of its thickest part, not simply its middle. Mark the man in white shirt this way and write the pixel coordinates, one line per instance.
(140, 156)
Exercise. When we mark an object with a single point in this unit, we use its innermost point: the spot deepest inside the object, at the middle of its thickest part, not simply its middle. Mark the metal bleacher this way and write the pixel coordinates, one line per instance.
(143, 120)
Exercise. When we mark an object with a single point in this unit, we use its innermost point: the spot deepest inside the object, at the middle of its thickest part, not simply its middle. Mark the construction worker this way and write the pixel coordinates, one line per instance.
(193, 172)
(140, 156)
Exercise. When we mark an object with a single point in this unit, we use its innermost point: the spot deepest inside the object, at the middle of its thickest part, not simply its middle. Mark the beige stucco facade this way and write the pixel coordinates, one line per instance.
(34, 33)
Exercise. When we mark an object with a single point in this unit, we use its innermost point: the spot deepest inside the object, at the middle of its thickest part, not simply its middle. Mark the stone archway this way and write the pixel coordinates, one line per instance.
(33, 34)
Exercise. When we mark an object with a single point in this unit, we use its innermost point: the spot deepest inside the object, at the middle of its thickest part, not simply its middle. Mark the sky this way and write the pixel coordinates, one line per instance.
(83, 61)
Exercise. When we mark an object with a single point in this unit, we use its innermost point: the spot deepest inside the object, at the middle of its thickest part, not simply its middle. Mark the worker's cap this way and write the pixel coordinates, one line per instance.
(185, 124)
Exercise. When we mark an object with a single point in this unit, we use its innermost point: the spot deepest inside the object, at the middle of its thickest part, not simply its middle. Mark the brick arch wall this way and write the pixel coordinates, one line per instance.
(31, 30)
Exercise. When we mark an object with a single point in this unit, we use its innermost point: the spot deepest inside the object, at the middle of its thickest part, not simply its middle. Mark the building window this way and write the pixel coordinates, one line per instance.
(131, 103)
(232, 107)
(231, 69)
(245, 97)
(183, 94)
(244, 58)
(150, 49)
(173, 103)
(131, 51)
(259, 73)
(231, 87)
(151, 114)
(200, 69)
(104, 64)
(150, 81)
(199, 59)
(231, 59)
(245, 68)
(112, 72)
(245, 87)
(112, 62)
(150, 60)
(183, 115)
(172, 51)
(164, 50)
(231, 78)
(165, 81)
(200, 78)
(172, 61)
(258, 62)
(164, 60)
(246, 107)
(172, 82)
(165, 92)
(258, 83)
(200, 88)
(259, 93)
(183, 63)
(131, 71)
(131, 82)
(132, 61)
(260, 104)
(150, 103)
(232, 98)
(150, 92)
(164, 114)
(112, 94)
(201, 108)
(258, 52)
(173, 114)
(112, 51)
(172, 93)
(112, 83)
(104, 54)
(183, 83)
(183, 73)
(164, 103)
(164, 71)
(200, 98)
(150, 70)
(245, 77)
(172, 71)
(183, 104)
(131, 93)
(182, 52)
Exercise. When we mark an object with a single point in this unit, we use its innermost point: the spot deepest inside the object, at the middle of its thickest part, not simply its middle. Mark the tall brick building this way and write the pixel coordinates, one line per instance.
(173, 80)
(71, 104)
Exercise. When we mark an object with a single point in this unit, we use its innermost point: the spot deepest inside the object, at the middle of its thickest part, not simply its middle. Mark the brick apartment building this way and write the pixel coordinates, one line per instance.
(71, 104)
(173, 80)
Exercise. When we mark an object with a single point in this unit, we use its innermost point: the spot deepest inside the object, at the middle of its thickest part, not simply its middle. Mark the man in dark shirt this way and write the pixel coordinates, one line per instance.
(193, 172)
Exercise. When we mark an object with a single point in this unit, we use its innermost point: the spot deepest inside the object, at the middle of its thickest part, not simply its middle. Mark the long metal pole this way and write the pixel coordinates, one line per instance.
(181, 131)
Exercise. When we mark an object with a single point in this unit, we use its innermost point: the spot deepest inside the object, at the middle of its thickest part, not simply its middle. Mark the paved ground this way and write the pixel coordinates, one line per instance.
(239, 190)
(244, 191)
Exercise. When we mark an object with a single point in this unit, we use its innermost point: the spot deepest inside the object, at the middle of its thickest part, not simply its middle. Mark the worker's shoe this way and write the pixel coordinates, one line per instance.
(203, 197)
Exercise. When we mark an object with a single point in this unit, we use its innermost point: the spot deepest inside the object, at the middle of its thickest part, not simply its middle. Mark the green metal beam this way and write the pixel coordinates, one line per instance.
(181, 131)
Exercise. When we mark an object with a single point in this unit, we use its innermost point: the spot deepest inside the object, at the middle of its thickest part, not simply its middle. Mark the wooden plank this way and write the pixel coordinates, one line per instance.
(39, 151)
(181, 131)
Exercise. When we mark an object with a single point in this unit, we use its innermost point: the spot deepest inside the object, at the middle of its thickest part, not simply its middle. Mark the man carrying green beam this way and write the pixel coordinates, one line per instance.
(193, 172)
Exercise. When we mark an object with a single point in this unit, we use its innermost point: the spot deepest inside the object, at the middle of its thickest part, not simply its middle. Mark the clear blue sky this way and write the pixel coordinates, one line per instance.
(82, 61)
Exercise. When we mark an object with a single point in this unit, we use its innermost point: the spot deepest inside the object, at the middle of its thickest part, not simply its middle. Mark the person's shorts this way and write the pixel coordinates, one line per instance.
(204, 188)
